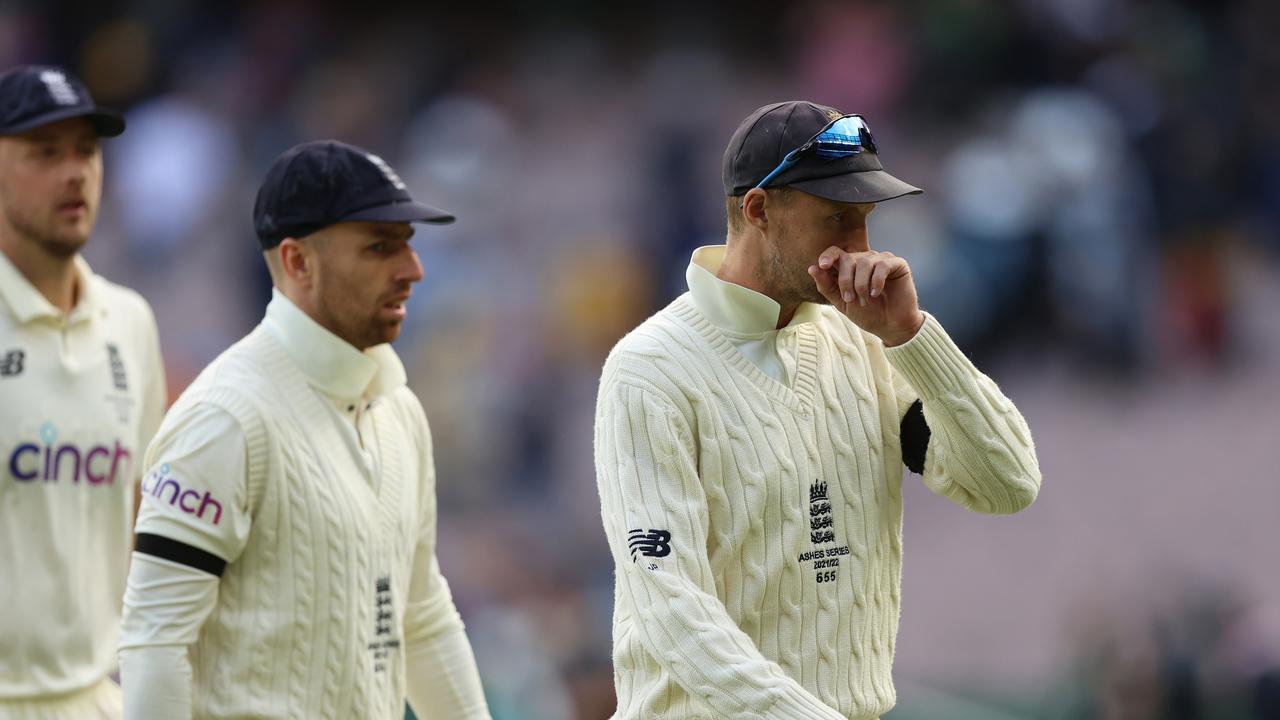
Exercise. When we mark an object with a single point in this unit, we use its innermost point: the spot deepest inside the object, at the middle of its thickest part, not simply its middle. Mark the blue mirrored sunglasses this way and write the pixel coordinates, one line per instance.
(842, 137)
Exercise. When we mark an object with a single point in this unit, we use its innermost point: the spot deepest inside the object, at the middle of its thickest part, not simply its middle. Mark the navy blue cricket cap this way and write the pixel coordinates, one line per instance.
(317, 184)
(768, 134)
(35, 95)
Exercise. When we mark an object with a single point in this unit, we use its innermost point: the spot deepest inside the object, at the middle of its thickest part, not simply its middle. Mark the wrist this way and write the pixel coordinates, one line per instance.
(900, 338)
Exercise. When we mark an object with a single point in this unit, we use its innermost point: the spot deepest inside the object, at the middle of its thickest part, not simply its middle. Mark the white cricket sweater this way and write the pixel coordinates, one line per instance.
(81, 394)
(756, 526)
(326, 524)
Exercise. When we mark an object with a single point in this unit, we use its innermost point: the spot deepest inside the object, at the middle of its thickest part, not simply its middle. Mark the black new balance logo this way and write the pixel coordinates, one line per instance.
(651, 543)
(12, 363)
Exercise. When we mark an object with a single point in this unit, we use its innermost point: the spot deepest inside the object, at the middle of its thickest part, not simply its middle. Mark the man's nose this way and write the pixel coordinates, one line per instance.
(76, 171)
(411, 270)
(857, 239)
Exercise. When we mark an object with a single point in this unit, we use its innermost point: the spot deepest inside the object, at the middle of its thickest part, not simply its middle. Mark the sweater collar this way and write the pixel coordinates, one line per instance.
(732, 307)
(331, 364)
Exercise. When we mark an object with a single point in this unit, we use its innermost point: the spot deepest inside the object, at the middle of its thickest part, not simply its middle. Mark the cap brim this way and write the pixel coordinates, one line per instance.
(867, 186)
(108, 123)
(402, 212)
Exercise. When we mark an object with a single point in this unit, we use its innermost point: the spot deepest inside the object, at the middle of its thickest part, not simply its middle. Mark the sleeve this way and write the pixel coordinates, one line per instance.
(655, 517)
(193, 520)
(442, 679)
(194, 495)
(443, 682)
(980, 453)
(155, 396)
(165, 605)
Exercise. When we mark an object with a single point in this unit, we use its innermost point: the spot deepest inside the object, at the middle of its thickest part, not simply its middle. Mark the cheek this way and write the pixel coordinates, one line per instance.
(811, 239)
(44, 186)
(352, 291)
(30, 193)
(359, 288)
(93, 180)
(22, 183)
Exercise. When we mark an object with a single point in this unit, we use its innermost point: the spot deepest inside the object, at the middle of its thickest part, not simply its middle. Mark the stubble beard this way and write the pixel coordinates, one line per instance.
(384, 331)
(360, 331)
(63, 247)
(789, 279)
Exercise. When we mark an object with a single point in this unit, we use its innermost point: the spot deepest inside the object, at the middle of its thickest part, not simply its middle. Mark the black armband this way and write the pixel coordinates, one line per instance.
(181, 553)
(915, 438)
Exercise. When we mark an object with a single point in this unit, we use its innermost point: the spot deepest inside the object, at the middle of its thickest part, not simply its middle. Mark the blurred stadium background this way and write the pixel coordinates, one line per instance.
(1100, 229)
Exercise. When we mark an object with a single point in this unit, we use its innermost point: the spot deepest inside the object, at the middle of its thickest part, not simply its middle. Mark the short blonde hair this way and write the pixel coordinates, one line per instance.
(734, 224)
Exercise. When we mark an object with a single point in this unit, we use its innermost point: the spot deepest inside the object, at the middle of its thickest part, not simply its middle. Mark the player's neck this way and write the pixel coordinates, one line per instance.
(740, 266)
(53, 276)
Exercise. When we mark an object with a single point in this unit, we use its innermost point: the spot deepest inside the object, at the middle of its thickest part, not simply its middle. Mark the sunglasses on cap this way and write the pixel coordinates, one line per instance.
(840, 138)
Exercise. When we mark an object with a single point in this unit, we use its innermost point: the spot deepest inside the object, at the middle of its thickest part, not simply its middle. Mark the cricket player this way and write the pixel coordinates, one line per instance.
(286, 563)
(751, 437)
(81, 394)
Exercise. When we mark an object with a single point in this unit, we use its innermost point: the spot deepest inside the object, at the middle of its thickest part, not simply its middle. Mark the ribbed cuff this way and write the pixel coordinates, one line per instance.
(800, 705)
(930, 361)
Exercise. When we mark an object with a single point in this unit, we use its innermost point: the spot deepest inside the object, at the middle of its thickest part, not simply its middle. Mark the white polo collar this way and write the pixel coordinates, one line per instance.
(26, 304)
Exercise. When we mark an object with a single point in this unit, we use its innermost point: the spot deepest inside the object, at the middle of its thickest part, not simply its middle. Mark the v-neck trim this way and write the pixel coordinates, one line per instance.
(799, 396)
(317, 404)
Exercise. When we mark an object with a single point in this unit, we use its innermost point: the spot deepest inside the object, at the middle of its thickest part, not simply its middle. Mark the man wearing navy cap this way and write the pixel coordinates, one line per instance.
(751, 439)
(81, 394)
(286, 564)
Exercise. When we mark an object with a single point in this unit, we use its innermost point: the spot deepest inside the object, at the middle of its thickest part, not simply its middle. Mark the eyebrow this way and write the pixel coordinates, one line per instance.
(46, 137)
(393, 233)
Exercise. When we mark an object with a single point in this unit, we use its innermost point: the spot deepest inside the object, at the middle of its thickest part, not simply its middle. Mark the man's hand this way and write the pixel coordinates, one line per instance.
(873, 289)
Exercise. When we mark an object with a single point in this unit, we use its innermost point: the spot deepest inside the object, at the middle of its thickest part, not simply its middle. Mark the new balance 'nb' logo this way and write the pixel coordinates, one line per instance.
(651, 543)
(11, 363)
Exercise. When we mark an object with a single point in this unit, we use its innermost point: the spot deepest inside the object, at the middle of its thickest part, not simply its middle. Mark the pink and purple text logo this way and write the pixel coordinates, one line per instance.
(161, 485)
(49, 461)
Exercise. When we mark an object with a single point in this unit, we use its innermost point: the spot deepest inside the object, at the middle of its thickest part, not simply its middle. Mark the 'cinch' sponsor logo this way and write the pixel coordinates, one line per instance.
(162, 486)
(49, 461)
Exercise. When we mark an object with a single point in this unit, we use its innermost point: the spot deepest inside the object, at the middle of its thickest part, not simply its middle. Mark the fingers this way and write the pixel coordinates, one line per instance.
(830, 257)
(855, 277)
(889, 266)
(830, 276)
(844, 277)
(863, 267)
(826, 284)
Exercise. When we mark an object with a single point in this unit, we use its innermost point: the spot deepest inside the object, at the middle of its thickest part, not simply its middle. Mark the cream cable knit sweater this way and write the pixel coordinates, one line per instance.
(757, 527)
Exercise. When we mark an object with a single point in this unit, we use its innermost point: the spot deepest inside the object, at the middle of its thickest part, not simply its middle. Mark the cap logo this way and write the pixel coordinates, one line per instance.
(833, 115)
(59, 89)
(387, 172)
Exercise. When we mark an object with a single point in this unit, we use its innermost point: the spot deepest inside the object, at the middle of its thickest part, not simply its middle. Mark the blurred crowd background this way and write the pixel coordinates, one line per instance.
(1100, 230)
